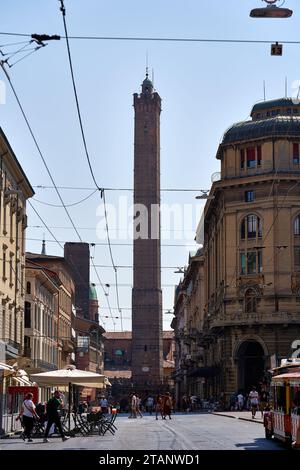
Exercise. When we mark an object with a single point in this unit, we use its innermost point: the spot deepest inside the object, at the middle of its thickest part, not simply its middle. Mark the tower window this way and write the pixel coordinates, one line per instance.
(28, 287)
(145, 348)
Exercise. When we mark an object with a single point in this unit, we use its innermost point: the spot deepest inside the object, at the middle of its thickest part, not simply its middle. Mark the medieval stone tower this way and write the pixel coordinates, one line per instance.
(147, 356)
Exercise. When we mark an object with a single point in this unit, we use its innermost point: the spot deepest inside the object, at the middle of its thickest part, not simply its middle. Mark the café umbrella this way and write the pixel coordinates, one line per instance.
(70, 376)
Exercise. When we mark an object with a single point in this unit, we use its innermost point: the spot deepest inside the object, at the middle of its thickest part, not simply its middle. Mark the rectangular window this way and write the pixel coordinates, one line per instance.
(251, 262)
(297, 258)
(242, 158)
(249, 196)
(251, 163)
(243, 263)
(259, 261)
(4, 265)
(27, 315)
(11, 269)
(251, 226)
(296, 154)
(258, 151)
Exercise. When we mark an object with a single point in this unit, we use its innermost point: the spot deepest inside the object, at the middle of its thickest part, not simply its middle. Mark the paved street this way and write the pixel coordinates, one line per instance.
(183, 432)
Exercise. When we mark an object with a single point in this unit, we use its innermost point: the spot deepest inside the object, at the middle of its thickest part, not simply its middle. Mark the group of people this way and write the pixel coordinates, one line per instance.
(28, 415)
(254, 401)
(162, 405)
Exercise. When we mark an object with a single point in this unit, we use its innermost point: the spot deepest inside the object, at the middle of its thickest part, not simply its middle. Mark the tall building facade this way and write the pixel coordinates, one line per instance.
(65, 333)
(251, 252)
(147, 346)
(15, 189)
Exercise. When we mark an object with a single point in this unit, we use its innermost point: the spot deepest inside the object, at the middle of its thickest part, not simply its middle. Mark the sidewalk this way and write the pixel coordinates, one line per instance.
(244, 415)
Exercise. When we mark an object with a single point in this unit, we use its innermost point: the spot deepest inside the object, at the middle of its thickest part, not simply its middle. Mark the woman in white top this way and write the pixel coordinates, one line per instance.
(28, 414)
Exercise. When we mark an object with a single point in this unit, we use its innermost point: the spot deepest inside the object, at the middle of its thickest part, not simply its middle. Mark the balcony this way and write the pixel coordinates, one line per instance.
(67, 346)
(241, 318)
(12, 347)
(40, 364)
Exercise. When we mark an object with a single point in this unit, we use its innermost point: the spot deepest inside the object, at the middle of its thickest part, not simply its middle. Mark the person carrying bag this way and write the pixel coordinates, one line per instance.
(27, 415)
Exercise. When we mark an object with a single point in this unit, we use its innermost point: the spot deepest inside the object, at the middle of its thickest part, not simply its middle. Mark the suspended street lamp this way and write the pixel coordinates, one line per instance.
(271, 11)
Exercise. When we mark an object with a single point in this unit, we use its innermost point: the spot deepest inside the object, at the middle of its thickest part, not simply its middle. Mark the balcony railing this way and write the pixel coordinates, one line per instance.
(40, 364)
(253, 318)
(12, 346)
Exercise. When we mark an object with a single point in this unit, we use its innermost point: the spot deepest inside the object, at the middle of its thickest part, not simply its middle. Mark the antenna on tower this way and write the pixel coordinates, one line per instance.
(147, 64)
(286, 85)
(264, 86)
(43, 245)
(153, 77)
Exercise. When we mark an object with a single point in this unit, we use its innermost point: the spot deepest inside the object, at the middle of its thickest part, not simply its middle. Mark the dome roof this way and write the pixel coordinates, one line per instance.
(278, 126)
(281, 103)
(274, 118)
(93, 292)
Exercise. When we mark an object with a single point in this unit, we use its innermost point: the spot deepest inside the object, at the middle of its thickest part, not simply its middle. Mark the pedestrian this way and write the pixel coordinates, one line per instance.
(184, 404)
(104, 404)
(167, 405)
(27, 415)
(240, 401)
(263, 401)
(53, 405)
(133, 406)
(138, 406)
(253, 397)
(158, 406)
(149, 405)
(296, 403)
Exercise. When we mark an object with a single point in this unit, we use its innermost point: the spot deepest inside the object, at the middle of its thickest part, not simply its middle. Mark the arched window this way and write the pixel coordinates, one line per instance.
(28, 288)
(251, 227)
(297, 225)
(250, 301)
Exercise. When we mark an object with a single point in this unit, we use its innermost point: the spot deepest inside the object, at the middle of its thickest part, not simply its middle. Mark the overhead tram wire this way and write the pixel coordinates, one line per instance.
(45, 225)
(38, 148)
(48, 171)
(63, 11)
(164, 39)
(67, 205)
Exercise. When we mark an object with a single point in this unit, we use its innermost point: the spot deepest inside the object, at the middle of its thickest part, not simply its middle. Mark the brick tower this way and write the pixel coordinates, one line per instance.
(147, 347)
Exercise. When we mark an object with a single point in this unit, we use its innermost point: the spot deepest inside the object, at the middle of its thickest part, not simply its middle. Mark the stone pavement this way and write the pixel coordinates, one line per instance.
(244, 415)
(192, 431)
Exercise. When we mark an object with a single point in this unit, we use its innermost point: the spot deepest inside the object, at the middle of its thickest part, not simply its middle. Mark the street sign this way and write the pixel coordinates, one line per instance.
(276, 49)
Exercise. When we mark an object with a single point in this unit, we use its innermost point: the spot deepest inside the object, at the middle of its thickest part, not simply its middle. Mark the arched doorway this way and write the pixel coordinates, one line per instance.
(251, 364)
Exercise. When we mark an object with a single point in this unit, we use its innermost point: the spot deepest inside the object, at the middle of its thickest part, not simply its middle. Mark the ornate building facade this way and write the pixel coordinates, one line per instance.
(65, 333)
(251, 250)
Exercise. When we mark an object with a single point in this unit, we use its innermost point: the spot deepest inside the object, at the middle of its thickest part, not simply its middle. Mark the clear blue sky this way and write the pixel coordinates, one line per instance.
(204, 88)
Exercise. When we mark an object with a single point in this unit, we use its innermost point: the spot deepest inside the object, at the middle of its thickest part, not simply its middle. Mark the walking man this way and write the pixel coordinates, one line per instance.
(253, 397)
(53, 417)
